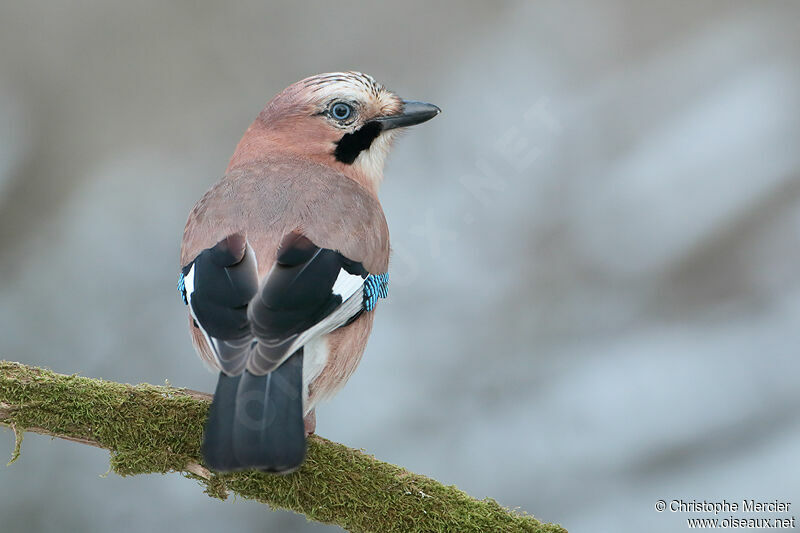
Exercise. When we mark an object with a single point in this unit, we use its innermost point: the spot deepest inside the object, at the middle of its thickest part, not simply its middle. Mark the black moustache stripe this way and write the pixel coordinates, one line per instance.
(351, 144)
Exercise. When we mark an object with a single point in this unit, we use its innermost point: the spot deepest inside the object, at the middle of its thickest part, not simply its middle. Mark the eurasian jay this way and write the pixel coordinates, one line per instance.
(283, 260)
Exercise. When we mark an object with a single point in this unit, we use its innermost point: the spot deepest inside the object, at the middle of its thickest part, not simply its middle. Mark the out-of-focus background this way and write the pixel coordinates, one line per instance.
(595, 300)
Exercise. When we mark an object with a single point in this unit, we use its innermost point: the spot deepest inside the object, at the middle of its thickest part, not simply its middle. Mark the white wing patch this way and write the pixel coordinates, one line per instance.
(188, 281)
(339, 317)
(346, 284)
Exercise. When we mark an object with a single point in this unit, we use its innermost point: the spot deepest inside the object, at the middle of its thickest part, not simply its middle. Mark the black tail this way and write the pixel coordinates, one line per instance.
(256, 422)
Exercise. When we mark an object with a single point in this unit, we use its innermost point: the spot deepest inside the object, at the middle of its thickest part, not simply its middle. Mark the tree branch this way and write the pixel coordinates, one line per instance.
(152, 429)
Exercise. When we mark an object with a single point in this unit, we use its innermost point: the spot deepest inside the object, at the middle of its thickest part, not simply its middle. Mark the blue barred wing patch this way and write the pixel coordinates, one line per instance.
(182, 289)
(375, 286)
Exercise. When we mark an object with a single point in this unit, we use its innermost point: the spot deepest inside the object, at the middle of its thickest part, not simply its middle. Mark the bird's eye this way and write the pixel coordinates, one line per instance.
(341, 111)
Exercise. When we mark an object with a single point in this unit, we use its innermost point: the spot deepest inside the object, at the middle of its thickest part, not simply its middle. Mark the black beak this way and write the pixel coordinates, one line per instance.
(413, 113)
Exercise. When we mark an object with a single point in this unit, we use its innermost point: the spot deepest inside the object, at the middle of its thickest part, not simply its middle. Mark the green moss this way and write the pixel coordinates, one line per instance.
(150, 429)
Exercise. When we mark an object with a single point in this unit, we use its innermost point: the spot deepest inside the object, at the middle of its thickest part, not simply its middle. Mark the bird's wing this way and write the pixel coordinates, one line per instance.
(310, 291)
(217, 286)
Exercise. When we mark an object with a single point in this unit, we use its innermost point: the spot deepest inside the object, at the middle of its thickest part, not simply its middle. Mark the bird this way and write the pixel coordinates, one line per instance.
(283, 261)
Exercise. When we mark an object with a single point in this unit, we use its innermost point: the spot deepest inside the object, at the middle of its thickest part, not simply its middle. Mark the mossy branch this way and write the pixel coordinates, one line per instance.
(158, 429)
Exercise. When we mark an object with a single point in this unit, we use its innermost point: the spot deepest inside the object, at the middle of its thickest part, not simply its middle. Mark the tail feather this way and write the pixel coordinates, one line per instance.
(218, 436)
(256, 422)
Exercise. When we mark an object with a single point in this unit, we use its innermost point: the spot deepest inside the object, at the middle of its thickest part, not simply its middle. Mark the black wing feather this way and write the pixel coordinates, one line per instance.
(225, 280)
(297, 294)
(255, 329)
(256, 418)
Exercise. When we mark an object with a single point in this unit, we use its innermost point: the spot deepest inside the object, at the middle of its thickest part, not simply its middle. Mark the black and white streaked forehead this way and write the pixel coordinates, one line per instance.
(357, 87)
(357, 82)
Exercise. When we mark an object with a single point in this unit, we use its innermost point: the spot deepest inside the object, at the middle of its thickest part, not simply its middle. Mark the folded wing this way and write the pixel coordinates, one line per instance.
(309, 292)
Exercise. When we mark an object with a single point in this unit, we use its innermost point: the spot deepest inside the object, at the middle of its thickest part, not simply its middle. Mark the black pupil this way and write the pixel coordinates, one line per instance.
(341, 111)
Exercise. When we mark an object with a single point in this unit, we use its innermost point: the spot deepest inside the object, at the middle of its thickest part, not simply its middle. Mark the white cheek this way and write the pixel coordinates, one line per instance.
(371, 161)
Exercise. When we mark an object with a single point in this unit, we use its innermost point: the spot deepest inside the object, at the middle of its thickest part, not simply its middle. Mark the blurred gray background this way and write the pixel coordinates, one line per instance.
(595, 301)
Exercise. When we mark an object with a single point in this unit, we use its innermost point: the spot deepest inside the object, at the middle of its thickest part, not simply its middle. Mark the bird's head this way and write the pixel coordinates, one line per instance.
(346, 120)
